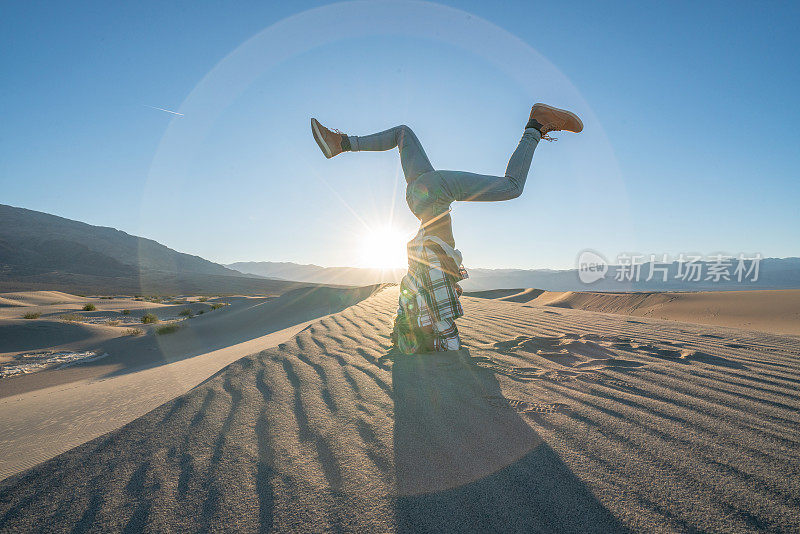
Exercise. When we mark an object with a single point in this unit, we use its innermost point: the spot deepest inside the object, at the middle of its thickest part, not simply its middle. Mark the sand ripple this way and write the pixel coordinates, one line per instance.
(568, 422)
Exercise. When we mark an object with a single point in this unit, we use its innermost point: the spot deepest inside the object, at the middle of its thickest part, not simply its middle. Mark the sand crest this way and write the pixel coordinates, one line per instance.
(776, 311)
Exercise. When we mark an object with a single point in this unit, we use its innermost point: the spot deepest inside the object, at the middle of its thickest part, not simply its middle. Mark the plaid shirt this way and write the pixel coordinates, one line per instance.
(429, 292)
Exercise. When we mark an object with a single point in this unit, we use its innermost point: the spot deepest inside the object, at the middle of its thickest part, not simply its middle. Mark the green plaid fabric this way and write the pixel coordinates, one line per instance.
(429, 296)
(434, 283)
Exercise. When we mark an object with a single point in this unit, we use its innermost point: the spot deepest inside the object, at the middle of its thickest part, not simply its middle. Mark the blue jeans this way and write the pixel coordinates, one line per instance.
(429, 192)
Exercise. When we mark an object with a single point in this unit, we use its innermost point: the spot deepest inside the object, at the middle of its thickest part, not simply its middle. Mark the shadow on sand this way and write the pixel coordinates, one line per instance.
(463, 464)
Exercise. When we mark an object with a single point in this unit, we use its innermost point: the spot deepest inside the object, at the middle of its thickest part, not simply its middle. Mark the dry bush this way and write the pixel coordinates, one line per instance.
(149, 318)
(167, 329)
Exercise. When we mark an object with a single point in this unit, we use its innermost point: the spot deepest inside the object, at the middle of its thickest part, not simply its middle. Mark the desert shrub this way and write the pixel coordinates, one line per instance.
(149, 318)
(126, 312)
(138, 298)
(32, 315)
(203, 299)
(186, 313)
(167, 329)
(71, 317)
(218, 305)
(201, 312)
(134, 331)
(89, 307)
(112, 322)
(106, 298)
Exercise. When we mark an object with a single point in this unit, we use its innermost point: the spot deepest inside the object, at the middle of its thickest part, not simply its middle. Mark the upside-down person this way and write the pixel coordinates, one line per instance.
(431, 285)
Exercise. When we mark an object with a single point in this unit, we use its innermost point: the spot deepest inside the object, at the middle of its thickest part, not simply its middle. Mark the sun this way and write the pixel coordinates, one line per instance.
(384, 248)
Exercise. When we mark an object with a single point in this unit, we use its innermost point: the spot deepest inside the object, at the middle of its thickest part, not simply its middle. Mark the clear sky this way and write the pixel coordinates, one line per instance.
(691, 114)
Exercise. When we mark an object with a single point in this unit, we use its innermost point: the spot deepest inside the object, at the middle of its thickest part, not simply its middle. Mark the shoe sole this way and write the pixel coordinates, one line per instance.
(571, 114)
(326, 150)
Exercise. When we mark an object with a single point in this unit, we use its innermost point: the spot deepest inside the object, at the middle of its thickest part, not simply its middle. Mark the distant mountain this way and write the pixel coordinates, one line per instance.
(42, 251)
(774, 273)
(351, 276)
(30, 233)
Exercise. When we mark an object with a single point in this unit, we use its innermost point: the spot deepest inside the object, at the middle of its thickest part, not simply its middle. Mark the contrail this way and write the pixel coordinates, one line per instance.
(168, 111)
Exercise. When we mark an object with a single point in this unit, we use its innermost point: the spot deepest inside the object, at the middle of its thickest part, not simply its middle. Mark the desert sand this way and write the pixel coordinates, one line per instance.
(75, 404)
(776, 311)
(549, 419)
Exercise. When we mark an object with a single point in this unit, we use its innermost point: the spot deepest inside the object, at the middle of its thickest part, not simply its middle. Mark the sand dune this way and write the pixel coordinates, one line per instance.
(49, 412)
(549, 420)
(37, 298)
(776, 311)
(31, 339)
(22, 335)
(21, 339)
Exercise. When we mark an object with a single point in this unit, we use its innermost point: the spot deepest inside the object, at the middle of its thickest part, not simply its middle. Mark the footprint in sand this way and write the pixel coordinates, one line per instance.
(664, 351)
(569, 350)
(573, 354)
(671, 343)
(519, 373)
(608, 362)
(522, 407)
(589, 352)
(608, 381)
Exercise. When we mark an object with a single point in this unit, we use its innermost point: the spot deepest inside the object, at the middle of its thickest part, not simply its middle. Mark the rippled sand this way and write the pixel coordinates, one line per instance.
(548, 420)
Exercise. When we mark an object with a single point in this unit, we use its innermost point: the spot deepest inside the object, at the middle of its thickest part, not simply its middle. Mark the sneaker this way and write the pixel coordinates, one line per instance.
(553, 120)
(330, 142)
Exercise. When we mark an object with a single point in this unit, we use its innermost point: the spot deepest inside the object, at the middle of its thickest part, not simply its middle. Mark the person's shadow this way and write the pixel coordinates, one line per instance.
(466, 464)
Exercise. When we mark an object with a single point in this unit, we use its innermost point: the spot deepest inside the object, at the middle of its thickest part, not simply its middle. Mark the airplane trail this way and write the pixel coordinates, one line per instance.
(166, 110)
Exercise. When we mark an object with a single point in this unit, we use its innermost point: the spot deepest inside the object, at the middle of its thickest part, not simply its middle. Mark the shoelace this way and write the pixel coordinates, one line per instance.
(548, 128)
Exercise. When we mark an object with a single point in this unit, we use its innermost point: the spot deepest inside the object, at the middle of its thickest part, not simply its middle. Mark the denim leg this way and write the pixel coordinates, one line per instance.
(458, 185)
(426, 196)
(412, 156)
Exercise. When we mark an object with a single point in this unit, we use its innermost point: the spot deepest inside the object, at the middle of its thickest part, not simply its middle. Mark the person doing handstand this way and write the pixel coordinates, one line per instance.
(429, 293)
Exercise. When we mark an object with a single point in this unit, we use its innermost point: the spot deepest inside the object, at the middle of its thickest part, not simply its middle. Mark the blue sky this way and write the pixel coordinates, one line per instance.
(691, 115)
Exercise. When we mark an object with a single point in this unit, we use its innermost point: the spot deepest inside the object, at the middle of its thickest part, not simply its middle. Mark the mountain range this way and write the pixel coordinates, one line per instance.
(43, 251)
(773, 273)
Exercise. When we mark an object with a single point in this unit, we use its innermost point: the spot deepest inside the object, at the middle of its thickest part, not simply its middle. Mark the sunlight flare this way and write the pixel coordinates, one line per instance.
(384, 248)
